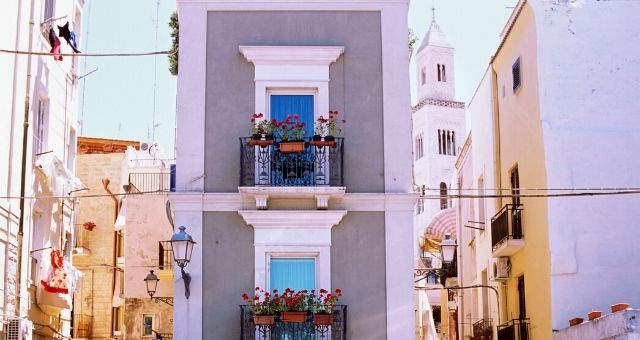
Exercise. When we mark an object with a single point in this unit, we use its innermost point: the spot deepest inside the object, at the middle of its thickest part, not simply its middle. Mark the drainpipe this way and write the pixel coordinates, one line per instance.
(105, 184)
(23, 174)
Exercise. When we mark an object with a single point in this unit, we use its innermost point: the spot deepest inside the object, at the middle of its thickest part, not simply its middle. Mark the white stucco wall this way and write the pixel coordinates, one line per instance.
(50, 80)
(588, 53)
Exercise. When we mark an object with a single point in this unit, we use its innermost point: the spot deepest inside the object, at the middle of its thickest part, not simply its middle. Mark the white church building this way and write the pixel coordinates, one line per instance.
(438, 132)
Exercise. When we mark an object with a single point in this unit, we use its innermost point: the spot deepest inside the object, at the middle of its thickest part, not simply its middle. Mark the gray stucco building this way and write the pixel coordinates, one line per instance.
(334, 215)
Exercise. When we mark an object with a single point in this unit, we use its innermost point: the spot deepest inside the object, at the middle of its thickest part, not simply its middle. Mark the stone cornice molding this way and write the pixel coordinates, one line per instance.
(292, 219)
(291, 55)
(341, 201)
(438, 102)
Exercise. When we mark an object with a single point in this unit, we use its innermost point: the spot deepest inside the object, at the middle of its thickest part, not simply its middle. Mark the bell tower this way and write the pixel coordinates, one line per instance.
(434, 63)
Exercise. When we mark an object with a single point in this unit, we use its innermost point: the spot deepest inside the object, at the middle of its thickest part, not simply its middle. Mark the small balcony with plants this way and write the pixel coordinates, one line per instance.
(280, 159)
(293, 315)
(507, 236)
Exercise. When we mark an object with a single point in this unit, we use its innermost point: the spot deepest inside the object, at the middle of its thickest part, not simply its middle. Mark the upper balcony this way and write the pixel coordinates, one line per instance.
(272, 163)
(506, 231)
(516, 329)
(312, 169)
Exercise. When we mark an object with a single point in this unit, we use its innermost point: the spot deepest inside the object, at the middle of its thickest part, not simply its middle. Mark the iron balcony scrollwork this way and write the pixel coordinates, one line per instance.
(266, 165)
(294, 330)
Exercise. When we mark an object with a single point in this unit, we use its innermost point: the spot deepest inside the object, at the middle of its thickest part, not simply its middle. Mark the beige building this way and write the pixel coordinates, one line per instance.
(38, 97)
(119, 251)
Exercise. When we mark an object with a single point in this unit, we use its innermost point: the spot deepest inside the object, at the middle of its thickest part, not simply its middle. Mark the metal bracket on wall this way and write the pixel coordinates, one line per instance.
(167, 300)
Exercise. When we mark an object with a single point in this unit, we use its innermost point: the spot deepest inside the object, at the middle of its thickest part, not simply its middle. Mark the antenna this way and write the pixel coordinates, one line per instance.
(155, 77)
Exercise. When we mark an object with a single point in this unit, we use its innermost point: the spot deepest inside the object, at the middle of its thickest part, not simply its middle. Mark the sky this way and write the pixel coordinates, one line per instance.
(117, 100)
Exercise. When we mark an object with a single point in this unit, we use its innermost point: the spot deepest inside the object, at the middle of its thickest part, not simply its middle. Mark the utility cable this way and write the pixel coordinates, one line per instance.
(86, 54)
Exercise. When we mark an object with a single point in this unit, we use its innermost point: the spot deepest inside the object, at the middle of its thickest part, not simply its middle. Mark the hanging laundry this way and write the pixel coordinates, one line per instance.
(69, 36)
(57, 279)
(55, 45)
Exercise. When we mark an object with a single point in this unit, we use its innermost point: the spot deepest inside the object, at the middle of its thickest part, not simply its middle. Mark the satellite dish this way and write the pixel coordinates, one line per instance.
(170, 214)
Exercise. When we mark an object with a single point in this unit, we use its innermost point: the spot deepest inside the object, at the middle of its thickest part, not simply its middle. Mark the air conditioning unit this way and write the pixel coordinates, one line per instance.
(19, 329)
(500, 269)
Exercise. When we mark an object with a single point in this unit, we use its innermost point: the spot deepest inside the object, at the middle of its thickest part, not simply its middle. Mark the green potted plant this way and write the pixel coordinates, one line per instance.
(326, 129)
(261, 131)
(263, 306)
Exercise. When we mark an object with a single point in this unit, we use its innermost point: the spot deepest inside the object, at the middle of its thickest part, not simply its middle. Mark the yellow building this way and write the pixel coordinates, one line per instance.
(547, 119)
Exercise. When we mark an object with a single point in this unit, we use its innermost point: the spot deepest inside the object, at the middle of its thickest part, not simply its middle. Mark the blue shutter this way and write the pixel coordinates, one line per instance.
(302, 105)
(294, 273)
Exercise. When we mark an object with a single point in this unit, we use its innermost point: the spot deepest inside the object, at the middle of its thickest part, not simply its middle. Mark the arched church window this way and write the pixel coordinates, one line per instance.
(444, 74)
(439, 72)
(439, 142)
(453, 142)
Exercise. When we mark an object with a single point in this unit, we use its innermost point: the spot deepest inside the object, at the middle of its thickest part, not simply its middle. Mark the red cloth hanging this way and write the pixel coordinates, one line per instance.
(57, 280)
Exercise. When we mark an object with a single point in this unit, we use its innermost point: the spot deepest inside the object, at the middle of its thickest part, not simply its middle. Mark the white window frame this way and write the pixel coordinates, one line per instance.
(153, 324)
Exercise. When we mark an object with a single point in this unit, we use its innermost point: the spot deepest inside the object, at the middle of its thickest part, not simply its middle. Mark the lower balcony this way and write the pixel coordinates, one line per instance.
(482, 330)
(516, 329)
(280, 330)
(269, 163)
(507, 236)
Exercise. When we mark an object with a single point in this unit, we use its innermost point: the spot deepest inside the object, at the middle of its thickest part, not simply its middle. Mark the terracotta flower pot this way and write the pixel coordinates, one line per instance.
(618, 307)
(575, 321)
(594, 314)
(263, 319)
(322, 319)
(291, 147)
(293, 316)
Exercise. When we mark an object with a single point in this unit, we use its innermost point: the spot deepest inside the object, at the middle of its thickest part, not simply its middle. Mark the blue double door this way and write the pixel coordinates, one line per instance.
(294, 169)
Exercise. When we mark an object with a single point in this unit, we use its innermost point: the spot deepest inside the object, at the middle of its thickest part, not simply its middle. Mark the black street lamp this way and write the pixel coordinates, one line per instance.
(182, 247)
(152, 284)
(448, 249)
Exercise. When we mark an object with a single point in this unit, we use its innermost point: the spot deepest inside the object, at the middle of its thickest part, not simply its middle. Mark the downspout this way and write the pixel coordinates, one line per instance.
(105, 184)
(23, 174)
(496, 134)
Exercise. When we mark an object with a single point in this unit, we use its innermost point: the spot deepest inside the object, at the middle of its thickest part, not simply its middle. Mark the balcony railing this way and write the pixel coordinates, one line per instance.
(266, 165)
(165, 255)
(482, 330)
(150, 181)
(293, 330)
(516, 329)
(506, 226)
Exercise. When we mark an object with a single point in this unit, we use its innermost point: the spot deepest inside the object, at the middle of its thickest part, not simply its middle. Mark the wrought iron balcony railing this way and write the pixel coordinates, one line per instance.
(319, 164)
(516, 329)
(506, 225)
(294, 330)
(482, 330)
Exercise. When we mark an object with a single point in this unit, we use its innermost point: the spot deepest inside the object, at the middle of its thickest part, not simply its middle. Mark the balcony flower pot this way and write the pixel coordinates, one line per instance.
(263, 143)
(316, 138)
(322, 319)
(293, 316)
(89, 225)
(594, 314)
(575, 321)
(619, 307)
(291, 146)
(263, 319)
(322, 143)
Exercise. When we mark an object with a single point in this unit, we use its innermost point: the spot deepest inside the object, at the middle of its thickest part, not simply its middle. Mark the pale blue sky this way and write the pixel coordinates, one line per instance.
(118, 100)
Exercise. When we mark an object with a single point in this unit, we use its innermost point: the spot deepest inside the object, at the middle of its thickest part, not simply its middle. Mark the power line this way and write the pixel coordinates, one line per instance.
(570, 194)
(87, 196)
(140, 54)
(539, 189)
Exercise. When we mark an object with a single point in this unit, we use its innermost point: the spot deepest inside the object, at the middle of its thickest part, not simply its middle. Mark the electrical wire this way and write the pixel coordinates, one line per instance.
(86, 54)
(569, 194)
(87, 196)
